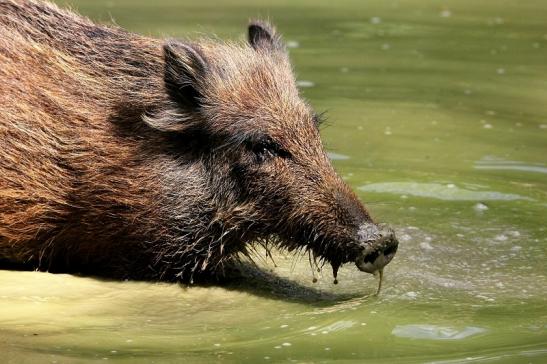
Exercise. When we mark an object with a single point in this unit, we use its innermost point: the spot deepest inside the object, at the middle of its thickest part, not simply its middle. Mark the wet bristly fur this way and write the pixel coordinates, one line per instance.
(136, 157)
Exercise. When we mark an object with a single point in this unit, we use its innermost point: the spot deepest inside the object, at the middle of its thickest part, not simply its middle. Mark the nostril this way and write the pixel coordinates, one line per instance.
(391, 245)
(371, 257)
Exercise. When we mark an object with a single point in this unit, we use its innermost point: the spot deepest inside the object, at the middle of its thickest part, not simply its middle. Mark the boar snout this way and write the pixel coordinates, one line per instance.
(379, 247)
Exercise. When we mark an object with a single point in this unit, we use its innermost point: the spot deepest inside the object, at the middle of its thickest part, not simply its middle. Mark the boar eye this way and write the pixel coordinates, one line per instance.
(267, 149)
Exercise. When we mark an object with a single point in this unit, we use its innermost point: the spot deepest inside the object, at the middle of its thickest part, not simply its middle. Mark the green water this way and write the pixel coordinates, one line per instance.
(438, 118)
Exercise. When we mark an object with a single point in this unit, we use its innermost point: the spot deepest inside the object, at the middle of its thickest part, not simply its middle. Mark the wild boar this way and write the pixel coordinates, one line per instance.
(133, 157)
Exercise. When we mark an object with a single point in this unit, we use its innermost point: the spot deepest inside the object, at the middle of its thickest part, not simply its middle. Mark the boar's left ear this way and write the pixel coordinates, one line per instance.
(184, 76)
(185, 69)
(263, 36)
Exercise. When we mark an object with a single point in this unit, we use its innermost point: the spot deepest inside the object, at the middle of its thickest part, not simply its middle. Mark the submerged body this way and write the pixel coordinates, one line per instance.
(133, 157)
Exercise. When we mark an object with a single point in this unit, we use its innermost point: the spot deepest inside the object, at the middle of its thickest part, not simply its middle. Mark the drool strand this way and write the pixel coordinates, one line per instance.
(380, 273)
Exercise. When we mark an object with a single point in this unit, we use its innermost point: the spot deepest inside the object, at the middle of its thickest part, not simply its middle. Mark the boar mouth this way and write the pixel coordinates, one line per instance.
(371, 250)
(377, 246)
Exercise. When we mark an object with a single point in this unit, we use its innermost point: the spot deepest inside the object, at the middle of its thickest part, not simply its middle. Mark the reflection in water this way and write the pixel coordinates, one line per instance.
(500, 165)
(440, 191)
(432, 332)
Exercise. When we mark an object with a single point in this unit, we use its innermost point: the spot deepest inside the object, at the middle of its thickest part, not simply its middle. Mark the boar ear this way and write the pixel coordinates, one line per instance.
(185, 68)
(263, 36)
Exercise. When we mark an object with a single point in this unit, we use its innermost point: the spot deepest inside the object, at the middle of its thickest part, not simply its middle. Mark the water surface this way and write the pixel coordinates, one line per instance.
(437, 116)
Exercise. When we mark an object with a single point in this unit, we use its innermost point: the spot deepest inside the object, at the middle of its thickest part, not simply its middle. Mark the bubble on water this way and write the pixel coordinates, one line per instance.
(426, 246)
(327, 349)
(487, 126)
(467, 91)
(485, 298)
(500, 71)
(501, 237)
(277, 347)
(446, 13)
(344, 69)
(405, 237)
(411, 294)
(267, 358)
(543, 126)
(404, 197)
(286, 344)
(386, 46)
(514, 233)
(480, 207)
(292, 44)
(434, 332)
(387, 131)
(375, 20)
(305, 83)
(284, 326)
(217, 345)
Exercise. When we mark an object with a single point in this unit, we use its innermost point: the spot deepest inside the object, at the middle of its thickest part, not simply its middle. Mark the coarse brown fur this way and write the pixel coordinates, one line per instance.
(134, 157)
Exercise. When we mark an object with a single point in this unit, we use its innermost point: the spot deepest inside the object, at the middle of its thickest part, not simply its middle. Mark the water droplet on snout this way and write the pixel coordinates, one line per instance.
(380, 274)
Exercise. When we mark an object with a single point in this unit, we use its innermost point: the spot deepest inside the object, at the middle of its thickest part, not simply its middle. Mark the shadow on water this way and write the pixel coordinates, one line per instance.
(265, 283)
(245, 277)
